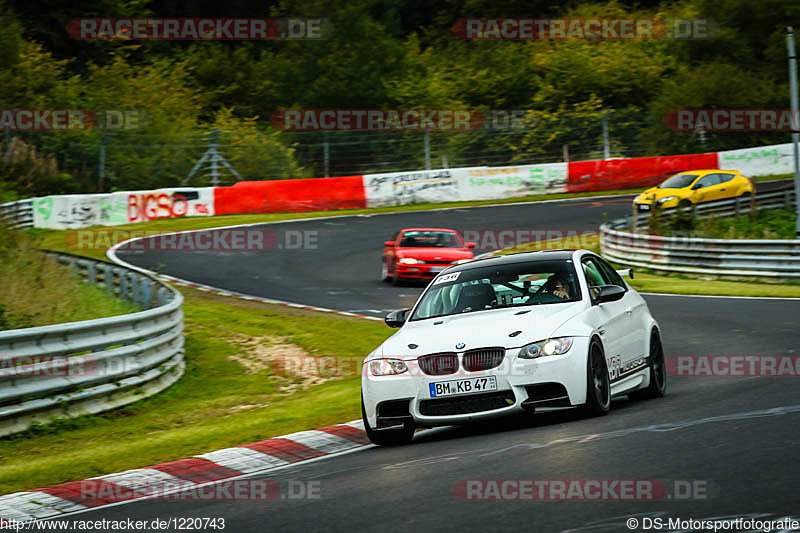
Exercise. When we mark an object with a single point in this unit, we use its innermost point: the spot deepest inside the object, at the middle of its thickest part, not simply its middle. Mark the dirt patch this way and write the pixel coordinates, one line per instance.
(281, 358)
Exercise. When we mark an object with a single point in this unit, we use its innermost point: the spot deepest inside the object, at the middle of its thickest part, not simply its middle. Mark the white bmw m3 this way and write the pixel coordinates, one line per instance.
(513, 333)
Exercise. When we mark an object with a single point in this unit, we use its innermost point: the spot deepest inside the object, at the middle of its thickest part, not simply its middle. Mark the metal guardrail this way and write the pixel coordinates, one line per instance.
(77, 368)
(17, 214)
(775, 258)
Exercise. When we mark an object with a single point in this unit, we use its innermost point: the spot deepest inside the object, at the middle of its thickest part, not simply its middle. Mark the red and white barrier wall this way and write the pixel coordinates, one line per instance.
(396, 188)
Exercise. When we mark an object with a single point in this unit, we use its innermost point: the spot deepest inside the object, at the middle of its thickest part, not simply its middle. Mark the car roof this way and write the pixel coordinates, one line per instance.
(521, 257)
(706, 171)
(428, 229)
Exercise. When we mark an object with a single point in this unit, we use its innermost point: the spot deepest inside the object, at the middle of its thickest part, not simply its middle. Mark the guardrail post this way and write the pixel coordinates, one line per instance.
(146, 293)
(73, 266)
(108, 279)
(91, 274)
(123, 286)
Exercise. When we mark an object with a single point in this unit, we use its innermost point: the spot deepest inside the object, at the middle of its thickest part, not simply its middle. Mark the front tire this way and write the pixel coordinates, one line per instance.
(658, 374)
(385, 272)
(388, 437)
(598, 385)
(396, 281)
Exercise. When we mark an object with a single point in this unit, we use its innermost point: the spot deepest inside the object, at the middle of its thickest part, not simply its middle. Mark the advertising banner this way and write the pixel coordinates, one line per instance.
(759, 161)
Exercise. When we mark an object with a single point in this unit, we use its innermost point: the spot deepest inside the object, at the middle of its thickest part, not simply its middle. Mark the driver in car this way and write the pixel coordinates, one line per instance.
(557, 286)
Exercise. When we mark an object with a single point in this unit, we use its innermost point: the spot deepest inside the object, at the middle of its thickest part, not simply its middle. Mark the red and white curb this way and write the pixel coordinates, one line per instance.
(229, 463)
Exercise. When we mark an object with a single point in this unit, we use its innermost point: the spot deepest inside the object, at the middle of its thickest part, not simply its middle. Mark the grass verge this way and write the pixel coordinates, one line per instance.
(37, 291)
(767, 224)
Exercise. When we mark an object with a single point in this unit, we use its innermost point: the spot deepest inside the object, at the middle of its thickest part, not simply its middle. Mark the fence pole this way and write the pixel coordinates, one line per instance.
(213, 150)
(326, 154)
(427, 139)
(795, 129)
(606, 147)
(102, 170)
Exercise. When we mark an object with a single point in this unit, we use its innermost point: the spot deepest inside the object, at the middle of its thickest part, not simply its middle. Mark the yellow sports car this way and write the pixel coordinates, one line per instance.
(695, 186)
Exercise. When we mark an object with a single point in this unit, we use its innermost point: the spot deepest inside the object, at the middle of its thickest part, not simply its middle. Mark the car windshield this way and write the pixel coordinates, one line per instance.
(497, 287)
(430, 239)
(678, 181)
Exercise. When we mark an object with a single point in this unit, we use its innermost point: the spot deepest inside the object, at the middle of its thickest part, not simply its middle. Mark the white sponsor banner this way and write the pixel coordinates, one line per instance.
(141, 206)
(84, 210)
(758, 161)
(491, 183)
(462, 184)
(66, 211)
(403, 188)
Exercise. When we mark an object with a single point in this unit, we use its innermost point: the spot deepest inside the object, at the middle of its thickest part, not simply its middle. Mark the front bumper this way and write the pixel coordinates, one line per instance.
(520, 382)
(646, 207)
(420, 271)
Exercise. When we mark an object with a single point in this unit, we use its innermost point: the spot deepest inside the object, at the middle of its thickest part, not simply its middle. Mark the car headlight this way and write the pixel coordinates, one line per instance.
(637, 199)
(408, 261)
(557, 346)
(667, 199)
(387, 367)
(462, 261)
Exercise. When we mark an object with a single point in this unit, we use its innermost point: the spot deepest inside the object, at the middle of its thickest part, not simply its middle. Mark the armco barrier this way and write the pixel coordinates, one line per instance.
(77, 368)
(774, 258)
(17, 214)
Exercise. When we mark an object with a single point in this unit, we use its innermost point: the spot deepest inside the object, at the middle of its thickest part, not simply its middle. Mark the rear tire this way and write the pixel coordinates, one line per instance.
(388, 437)
(598, 385)
(658, 374)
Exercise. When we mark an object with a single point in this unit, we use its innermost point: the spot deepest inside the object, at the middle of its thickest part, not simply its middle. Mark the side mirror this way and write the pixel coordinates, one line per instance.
(609, 293)
(396, 319)
(470, 245)
(697, 185)
(388, 243)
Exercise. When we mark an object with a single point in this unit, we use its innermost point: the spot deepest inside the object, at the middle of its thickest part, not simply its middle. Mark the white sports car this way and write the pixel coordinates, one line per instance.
(529, 331)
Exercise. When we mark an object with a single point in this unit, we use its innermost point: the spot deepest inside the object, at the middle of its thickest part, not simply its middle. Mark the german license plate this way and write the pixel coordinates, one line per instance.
(644, 207)
(462, 386)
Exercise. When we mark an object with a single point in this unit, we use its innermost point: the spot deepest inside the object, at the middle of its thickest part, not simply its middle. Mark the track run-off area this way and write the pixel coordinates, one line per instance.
(738, 436)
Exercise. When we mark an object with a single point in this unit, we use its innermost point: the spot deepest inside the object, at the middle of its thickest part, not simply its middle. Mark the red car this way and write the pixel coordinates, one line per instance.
(421, 253)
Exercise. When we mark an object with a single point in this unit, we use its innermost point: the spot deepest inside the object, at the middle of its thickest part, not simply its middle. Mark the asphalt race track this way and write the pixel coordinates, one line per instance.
(738, 437)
